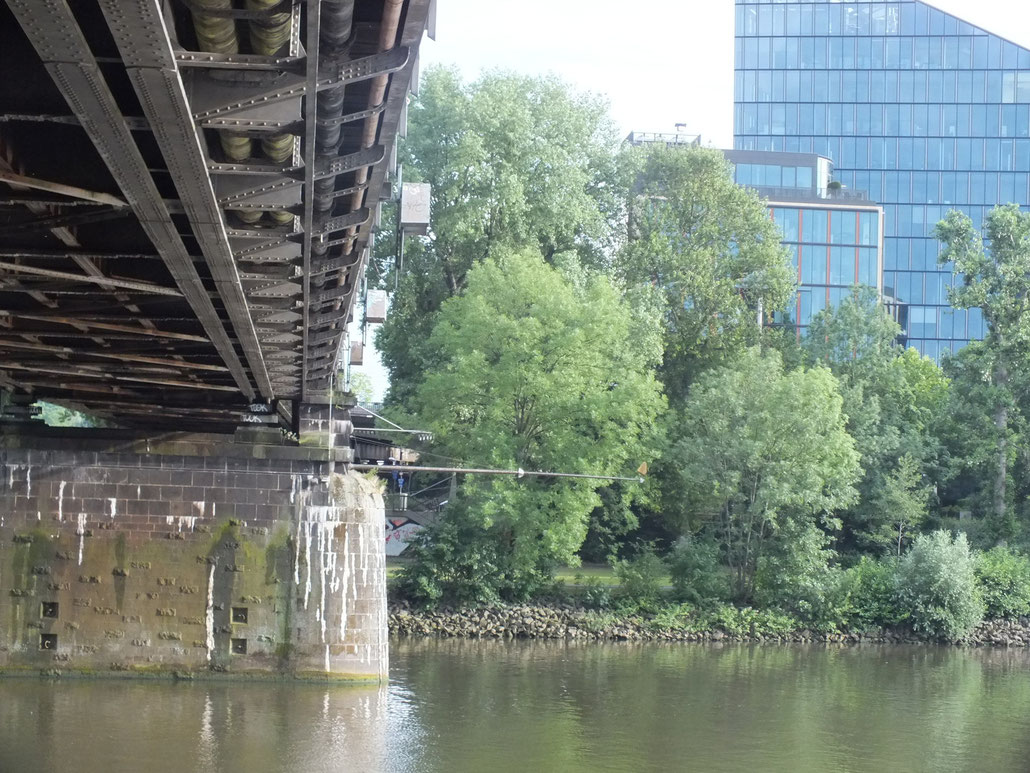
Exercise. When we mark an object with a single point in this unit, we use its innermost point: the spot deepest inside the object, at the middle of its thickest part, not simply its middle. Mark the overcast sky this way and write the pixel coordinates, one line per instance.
(660, 62)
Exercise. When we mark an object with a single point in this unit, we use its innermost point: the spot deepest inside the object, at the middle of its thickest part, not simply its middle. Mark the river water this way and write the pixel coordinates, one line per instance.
(540, 706)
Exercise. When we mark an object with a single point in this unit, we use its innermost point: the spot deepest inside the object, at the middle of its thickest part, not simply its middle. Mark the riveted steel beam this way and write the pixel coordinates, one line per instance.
(294, 176)
(54, 32)
(142, 39)
(309, 148)
(218, 100)
(172, 363)
(211, 61)
(107, 326)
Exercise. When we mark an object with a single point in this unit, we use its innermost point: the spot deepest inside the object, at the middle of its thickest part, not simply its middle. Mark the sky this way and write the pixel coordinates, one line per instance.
(659, 62)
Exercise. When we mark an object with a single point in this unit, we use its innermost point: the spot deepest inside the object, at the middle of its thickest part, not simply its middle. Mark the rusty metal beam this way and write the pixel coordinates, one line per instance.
(71, 371)
(127, 284)
(87, 323)
(415, 17)
(78, 352)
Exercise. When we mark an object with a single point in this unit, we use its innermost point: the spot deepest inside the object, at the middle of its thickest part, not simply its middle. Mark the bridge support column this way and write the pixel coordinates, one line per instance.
(327, 425)
(188, 554)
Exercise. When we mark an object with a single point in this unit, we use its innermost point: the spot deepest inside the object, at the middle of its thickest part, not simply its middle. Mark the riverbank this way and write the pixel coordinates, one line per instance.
(565, 621)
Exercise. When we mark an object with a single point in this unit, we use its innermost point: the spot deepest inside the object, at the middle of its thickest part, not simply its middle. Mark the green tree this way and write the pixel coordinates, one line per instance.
(856, 336)
(893, 399)
(764, 453)
(59, 416)
(541, 373)
(361, 385)
(710, 251)
(995, 272)
(514, 162)
(901, 503)
(970, 438)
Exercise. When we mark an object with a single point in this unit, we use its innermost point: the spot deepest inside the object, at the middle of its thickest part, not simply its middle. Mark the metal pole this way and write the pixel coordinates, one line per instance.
(519, 473)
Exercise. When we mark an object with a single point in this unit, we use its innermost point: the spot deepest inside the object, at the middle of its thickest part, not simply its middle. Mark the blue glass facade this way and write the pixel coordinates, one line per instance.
(834, 236)
(922, 110)
(832, 248)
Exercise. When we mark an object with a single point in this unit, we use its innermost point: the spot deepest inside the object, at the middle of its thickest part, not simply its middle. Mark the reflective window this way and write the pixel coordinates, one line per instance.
(911, 104)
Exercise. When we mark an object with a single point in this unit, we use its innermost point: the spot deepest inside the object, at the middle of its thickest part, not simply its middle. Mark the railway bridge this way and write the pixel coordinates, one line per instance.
(188, 189)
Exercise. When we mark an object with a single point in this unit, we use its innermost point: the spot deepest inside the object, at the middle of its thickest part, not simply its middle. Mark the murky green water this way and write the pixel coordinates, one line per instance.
(475, 706)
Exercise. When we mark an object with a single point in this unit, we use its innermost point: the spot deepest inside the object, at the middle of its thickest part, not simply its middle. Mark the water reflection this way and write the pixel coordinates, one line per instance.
(469, 706)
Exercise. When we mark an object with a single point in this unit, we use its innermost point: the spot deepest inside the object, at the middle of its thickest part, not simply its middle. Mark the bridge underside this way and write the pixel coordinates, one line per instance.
(187, 192)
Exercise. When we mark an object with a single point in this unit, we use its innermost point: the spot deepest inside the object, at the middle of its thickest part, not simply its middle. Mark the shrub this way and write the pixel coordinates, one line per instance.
(457, 561)
(869, 593)
(597, 594)
(696, 573)
(641, 577)
(678, 617)
(1004, 578)
(794, 575)
(747, 621)
(937, 586)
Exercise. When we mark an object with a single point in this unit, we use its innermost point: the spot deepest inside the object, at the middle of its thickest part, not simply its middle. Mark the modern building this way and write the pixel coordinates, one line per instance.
(835, 234)
(924, 111)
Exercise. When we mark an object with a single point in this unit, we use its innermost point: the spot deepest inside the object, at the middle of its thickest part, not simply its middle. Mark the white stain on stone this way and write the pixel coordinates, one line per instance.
(114, 506)
(209, 614)
(198, 509)
(80, 530)
(60, 500)
(307, 564)
(179, 521)
(28, 481)
(346, 582)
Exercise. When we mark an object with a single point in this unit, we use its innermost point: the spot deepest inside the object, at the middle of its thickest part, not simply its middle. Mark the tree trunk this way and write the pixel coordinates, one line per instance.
(1001, 422)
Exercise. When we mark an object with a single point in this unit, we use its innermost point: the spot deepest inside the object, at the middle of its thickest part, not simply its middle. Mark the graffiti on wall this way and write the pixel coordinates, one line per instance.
(398, 532)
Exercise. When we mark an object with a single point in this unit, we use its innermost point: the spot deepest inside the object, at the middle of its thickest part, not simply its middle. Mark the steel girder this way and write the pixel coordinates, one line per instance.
(54, 33)
(273, 308)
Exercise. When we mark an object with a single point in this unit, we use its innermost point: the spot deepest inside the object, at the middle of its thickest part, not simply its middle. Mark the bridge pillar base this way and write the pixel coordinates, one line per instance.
(325, 425)
(186, 554)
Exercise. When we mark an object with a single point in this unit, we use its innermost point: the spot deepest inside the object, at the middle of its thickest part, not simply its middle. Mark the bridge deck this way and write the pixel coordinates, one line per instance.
(187, 190)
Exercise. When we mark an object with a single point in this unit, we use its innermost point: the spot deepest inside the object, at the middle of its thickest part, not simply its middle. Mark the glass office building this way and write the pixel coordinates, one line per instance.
(919, 108)
(834, 235)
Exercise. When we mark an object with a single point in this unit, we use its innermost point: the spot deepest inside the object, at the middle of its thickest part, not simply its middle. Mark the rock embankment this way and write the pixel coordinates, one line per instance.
(572, 622)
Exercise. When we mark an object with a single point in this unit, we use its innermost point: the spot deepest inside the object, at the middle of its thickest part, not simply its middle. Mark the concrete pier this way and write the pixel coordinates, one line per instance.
(188, 555)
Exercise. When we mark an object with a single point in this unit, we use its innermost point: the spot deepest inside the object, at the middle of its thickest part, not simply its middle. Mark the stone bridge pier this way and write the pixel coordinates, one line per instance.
(190, 554)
